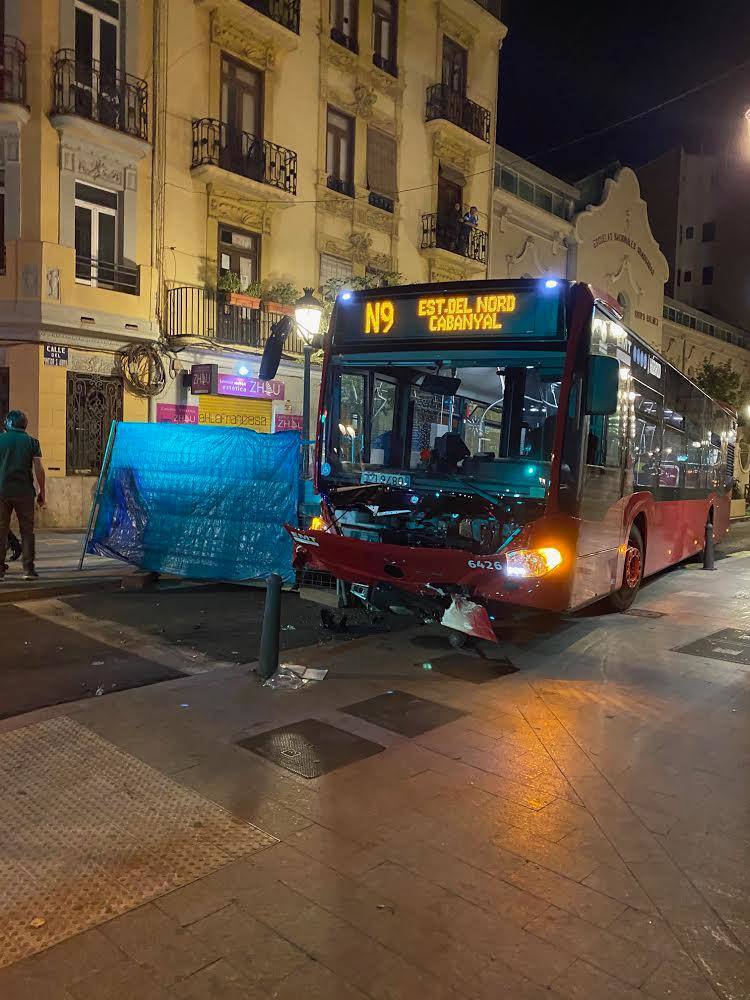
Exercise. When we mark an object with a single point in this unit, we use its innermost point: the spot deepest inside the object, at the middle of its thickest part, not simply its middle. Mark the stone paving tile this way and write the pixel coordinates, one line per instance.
(218, 981)
(679, 979)
(339, 853)
(608, 952)
(556, 858)
(84, 955)
(592, 842)
(574, 897)
(649, 931)
(259, 954)
(126, 979)
(620, 885)
(585, 982)
(166, 951)
(314, 982)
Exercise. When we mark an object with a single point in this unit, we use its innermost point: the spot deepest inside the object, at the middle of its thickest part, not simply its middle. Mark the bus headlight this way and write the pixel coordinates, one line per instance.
(525, 563)
(318, 523)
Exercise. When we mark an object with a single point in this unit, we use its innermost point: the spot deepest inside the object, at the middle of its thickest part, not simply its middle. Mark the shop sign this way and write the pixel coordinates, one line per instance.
(249, 388)
(288, 422)
(56, 355)
(176, 413)
(222, 411)
(203, 378)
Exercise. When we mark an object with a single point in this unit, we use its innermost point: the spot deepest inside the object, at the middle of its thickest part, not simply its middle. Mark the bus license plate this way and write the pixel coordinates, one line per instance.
(385, 479)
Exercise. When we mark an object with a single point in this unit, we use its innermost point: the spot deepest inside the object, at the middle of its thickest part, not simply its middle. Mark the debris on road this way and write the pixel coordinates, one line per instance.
(329, 621)
(99, 691)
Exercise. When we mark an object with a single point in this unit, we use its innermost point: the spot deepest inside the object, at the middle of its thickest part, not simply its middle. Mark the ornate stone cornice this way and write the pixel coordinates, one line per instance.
(243, 41)
(254, 215)
(97, 164)
(450, 23)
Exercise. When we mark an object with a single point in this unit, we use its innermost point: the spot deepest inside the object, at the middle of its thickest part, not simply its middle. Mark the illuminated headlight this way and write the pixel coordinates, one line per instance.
(318, 524)
(525, 563)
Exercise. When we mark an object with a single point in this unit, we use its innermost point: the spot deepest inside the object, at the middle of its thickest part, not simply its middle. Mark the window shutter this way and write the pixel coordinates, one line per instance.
(381, 162)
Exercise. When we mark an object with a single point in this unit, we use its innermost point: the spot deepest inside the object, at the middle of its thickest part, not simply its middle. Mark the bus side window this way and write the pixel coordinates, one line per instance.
(646, 449)
(604, 443)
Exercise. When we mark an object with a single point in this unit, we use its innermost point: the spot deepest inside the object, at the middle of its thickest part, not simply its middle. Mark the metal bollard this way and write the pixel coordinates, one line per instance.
(268, 661)
(708, 550)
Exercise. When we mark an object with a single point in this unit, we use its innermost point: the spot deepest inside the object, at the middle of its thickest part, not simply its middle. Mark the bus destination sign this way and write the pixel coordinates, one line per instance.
(487, 314)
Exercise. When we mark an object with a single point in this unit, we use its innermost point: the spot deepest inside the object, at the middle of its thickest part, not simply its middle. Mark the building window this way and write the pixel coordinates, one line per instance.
(708, 276)
(96, 228)
(681, 233)
(690, 232)
(709, 232)
(381, 169)
(688, 277)
(344, 23)
(2, 222)
(239, 254)
(385, 22)
(97, 45)
(679, 277)
(93, 402)
(333, 269)
(340, 152)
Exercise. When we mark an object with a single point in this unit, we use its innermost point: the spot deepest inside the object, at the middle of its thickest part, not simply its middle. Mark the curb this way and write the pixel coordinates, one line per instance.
(11, 595)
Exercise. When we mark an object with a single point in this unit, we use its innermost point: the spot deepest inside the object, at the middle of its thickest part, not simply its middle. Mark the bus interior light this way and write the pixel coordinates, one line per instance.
(527, 563)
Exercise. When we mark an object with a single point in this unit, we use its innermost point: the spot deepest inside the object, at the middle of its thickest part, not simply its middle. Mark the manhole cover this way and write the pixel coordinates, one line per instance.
(644, 613)
(475, 669)
(310, 747)
(403, 713)
(730, 644)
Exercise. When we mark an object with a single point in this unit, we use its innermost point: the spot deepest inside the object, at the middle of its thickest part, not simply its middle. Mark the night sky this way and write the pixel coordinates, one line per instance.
(568, 69)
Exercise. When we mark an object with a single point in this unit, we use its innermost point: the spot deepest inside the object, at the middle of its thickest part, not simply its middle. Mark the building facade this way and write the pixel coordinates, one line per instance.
(701, 203)
(175, 172)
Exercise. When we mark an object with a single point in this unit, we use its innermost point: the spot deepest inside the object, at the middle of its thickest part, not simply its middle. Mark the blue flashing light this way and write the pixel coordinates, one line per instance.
(243, 370)
(325, 469)
(530, 470)
(414, 498)
(345, 295)
(550, 283)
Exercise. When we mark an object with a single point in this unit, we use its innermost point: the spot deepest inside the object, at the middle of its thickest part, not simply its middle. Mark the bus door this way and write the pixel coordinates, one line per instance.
(602, 504)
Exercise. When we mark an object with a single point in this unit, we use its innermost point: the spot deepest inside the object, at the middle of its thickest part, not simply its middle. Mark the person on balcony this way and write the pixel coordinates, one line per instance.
(469, 221)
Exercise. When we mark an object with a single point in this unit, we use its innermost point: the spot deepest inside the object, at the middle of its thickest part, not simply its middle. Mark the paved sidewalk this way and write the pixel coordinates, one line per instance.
(57, 556)
(575, 829)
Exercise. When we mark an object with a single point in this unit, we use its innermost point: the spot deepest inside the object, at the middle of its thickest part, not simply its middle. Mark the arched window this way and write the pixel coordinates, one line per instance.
(622, 301)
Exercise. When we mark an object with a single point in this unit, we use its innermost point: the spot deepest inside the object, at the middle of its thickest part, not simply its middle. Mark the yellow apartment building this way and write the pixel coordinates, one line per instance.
(176, 172)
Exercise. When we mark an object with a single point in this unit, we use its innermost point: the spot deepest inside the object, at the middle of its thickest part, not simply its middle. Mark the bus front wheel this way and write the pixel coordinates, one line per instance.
(632, 574)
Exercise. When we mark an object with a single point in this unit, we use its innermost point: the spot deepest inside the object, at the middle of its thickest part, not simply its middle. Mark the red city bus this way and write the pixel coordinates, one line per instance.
(506, 443)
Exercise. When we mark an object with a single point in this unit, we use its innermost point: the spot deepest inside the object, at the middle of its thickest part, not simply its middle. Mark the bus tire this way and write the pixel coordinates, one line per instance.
(632, 574)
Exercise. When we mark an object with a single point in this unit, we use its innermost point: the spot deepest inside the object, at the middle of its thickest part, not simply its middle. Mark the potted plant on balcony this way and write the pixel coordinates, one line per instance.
(280, 297)
(235, 293)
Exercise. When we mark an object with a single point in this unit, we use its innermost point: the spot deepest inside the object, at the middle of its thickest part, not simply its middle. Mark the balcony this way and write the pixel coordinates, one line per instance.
(444, 105)
(101, 94)
(340, 185)
(454, 237)
(270, 170)
(283, 12)
(106, 274)
(381, 201)
(196, 314)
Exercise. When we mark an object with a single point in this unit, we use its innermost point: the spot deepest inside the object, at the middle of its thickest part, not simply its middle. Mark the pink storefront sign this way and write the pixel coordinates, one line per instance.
(250, 388)
(176, 413)
(287, 422)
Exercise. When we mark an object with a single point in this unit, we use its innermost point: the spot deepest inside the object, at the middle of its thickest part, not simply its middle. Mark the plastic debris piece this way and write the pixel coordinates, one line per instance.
(427, 666)
(284, 680)
(466, 616)
(387, 906)
(99, 691)
(97, 663)
(37, 922)
(315, 674)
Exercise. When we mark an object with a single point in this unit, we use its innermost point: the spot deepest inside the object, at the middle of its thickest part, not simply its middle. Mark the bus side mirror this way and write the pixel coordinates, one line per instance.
(602, 385)
(269, 363)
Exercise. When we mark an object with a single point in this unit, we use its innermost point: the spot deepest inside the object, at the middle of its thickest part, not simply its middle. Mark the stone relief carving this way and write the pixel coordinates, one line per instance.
(529, 250)
(383, 222)
(364, 101)
(440, 271)
(53, 283)
(97, 165)
(382, 262)
(454, 153)
(343, 207)
(242, 42)
(96, 364)
(338, 248)
(361, 245)
(252, 215)
(625, 271)
(341, 58)
(558, 243)
(30, 279)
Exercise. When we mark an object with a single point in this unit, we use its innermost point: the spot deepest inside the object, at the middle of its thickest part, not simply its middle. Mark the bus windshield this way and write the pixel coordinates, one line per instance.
(478, 425)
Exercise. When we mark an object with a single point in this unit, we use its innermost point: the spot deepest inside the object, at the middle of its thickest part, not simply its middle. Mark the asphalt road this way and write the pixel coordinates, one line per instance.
(94, 644)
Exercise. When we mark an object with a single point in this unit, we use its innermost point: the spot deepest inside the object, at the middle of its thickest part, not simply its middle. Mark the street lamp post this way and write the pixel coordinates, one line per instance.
(307, 314)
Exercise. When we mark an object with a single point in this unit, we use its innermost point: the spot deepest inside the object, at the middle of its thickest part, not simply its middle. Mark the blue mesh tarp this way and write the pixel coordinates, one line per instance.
(205, 503)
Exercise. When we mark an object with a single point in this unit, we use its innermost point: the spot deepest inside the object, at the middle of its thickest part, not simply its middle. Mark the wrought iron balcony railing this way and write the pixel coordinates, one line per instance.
(455, 236)
(444, 103)
(106, 274)
(381, 201)
(283, 12)
(340, 185)
(100, 93)
(221, 145)
(12, 70)
(203, 313)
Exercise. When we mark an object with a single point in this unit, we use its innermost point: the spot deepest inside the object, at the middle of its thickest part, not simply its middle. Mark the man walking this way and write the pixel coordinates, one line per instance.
(20, 463)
